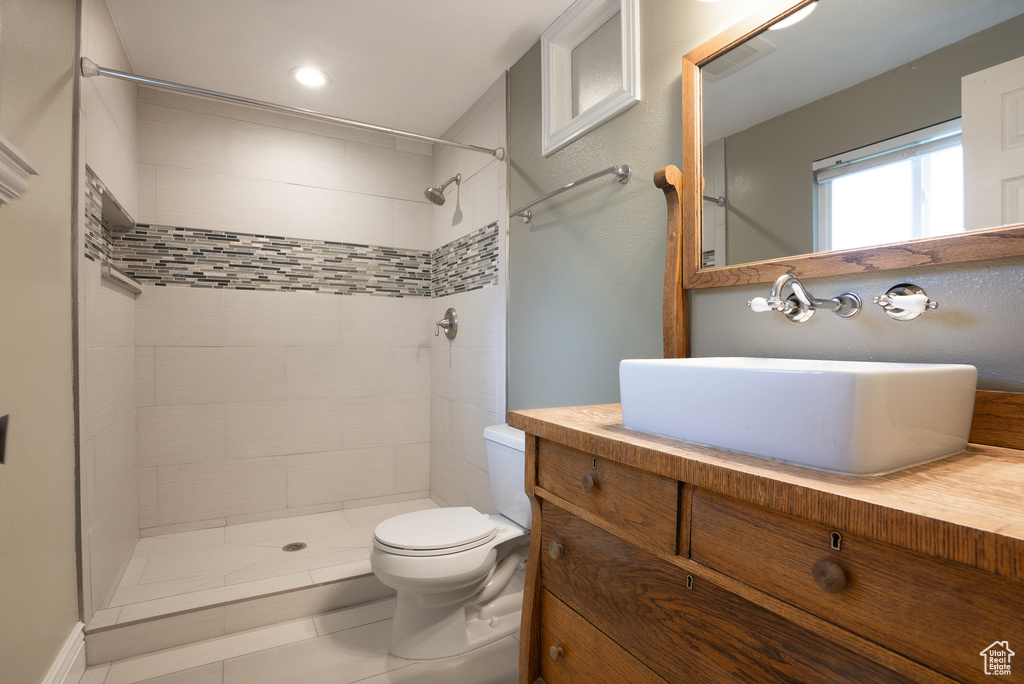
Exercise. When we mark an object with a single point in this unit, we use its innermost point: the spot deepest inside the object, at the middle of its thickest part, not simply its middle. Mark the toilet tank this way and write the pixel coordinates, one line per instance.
(506, 464)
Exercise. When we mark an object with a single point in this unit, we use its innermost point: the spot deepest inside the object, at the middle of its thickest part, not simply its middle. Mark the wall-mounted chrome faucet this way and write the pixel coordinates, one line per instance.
(905, 302)
(800, 306)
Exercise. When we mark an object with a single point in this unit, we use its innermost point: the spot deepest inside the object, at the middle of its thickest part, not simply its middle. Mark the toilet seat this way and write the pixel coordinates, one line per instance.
(434, 532)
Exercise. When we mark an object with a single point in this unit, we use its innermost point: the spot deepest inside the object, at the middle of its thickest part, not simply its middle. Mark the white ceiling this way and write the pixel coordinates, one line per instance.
(415, 65)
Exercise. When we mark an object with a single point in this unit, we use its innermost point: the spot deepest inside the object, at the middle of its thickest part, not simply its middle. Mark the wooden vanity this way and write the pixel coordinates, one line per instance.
(654, 560)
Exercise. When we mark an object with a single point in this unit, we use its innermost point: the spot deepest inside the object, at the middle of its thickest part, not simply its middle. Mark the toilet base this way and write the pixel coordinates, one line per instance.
(421, 633)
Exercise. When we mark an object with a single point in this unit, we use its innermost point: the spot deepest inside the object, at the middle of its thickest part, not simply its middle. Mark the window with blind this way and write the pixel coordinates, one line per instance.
(898, 189)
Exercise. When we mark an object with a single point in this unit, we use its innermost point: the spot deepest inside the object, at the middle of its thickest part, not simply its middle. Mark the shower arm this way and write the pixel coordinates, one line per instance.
(90, 69)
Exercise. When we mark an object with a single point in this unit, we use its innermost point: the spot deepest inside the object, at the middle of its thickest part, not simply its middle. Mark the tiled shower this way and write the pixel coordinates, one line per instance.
(281, 357)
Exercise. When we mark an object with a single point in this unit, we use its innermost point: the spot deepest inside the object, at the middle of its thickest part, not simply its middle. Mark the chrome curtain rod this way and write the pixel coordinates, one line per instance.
(720, 200)
(623, 172)
(90, 69)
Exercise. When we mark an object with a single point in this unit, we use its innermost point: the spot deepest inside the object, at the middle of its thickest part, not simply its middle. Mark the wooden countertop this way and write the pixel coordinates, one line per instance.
(968, 508)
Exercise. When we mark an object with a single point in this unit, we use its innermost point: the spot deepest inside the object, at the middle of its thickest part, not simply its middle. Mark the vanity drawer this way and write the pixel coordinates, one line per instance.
(574, 651)
(684, 633)
(635, 502)
(940, 614)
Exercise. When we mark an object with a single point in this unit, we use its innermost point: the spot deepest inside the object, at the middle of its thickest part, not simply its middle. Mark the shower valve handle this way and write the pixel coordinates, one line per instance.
(450, 323)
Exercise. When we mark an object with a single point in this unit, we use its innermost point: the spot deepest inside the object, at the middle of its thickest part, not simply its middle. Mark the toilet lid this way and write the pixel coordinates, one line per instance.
(436, 530)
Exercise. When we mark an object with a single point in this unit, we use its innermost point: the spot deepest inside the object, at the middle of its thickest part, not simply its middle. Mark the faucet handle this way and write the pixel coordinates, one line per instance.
(905, 302)
(759, 305)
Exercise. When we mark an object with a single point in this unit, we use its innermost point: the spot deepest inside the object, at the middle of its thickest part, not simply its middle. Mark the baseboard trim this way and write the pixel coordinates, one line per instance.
(70, 662)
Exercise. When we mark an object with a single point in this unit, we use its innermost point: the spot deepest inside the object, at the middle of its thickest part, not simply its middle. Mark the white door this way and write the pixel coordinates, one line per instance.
(992, 105)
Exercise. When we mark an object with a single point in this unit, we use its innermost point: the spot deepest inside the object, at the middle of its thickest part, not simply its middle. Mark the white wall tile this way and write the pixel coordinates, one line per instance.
(413, 223)
(115, 460)
(180, 434)
(281, 318)
(277, 154)
(218, 201)
(109, 387)
(337, 216)
(199, 491)
(110, 315)
(212, 375)
(149, 514)
(282, 427)
(177, 316)
(147, 194)
(449, 477)
(439, 416)
(466, 436)
(110, 541)
(340, 475)
(412, 467)
(387, 321)
(342, 372)
(182, 139)
(109, 150)
(410, 370)
(389, 173)
(382, 421)
(145, 382)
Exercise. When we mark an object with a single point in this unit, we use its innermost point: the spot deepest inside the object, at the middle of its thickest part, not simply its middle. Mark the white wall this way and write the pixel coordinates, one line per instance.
(468, 373)
(38, 576)
(258, 404)
(106, 330)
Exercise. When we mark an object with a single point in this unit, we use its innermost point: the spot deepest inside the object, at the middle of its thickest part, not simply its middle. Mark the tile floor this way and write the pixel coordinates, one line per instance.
(344, 647)
(189, 570)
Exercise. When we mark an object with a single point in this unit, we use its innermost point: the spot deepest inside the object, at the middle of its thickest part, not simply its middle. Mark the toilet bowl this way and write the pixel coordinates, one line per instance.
(459, 573)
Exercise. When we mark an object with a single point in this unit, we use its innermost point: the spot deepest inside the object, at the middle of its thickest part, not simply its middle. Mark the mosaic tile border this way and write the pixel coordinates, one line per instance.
(466, 264)
(166, 255)
(162, 255)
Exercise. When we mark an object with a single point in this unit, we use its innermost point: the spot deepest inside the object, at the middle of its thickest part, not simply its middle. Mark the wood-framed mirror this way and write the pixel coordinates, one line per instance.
(992, 218)
(697, 194)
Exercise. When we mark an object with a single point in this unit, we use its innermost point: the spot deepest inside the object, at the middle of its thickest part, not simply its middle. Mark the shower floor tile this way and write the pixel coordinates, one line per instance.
(186, 570)
(344, 647)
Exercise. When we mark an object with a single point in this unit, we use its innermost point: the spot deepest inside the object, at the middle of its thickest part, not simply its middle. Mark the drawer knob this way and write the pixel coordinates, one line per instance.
(555, 652)
(555, 550)
(829, 576)
(588, 482)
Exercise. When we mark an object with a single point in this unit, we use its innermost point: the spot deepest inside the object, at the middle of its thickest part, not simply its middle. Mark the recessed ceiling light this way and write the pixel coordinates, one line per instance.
(314, 78)
(794, 18)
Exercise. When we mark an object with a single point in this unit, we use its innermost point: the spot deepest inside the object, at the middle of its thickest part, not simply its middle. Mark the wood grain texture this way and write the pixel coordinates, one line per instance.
(586, 655)
(979, 245)
(966, 508)
(864, 646)
(998, 419)
(675, 301)
(994, 243)
(636, 503)
(698, 634)
(939, 614)
(529, 640)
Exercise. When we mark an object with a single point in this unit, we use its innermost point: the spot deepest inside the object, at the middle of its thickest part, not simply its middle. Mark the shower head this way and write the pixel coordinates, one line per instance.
(436, 193)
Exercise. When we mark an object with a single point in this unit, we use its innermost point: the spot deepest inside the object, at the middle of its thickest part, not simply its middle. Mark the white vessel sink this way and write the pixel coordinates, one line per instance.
(863, 418)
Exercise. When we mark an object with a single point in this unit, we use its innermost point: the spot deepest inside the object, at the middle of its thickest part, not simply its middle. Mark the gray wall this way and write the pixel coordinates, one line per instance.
(772, 216)
(585, 277)
(38, 576)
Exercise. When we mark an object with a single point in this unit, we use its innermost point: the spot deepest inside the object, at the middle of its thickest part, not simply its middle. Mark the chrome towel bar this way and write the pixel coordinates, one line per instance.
(623, 172)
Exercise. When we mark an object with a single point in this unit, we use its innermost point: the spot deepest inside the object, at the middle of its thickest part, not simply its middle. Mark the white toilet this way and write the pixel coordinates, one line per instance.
(459, 573)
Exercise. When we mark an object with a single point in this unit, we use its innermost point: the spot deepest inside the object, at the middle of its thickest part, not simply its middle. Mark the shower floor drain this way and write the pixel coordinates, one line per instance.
(294, 546)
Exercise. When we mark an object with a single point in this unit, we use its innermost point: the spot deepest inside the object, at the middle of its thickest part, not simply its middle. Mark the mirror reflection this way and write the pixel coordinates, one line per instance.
(867, 122)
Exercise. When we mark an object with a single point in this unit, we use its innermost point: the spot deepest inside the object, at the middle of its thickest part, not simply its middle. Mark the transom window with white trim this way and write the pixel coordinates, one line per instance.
(898, 189)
